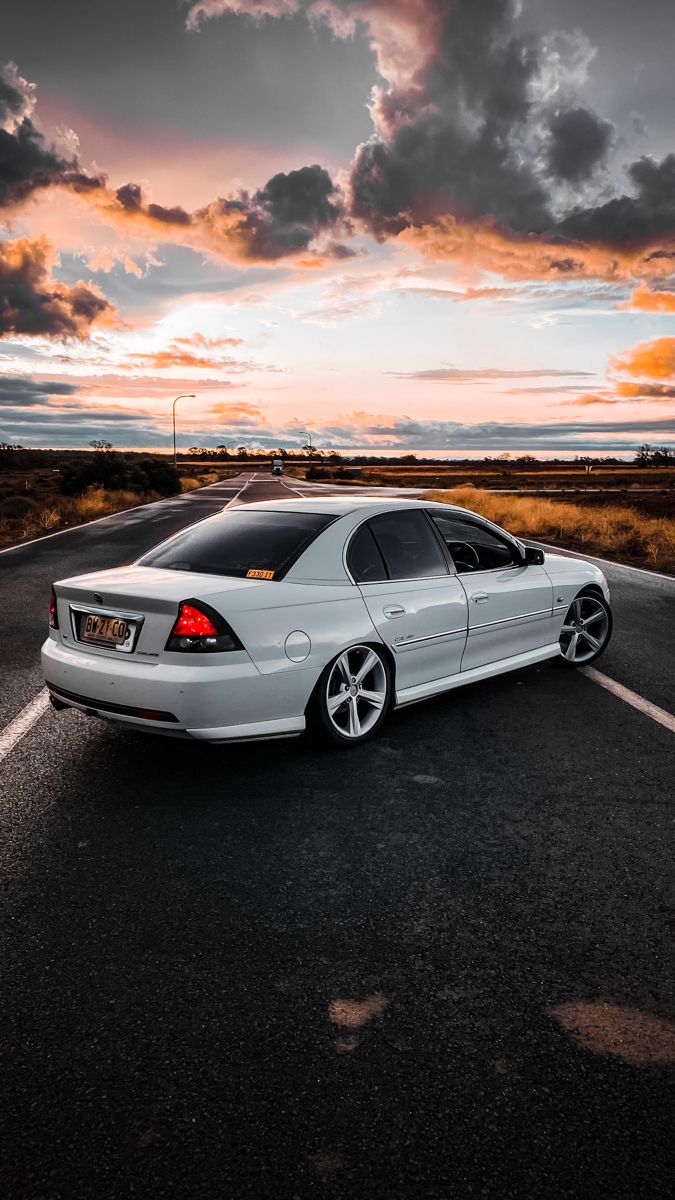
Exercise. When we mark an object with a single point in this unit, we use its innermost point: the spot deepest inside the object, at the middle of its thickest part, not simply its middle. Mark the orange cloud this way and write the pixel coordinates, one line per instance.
(33, 303)
(163, 359)
(646, 300)
(179, 354)
(648, 360)
(240, 414)
(659, 392)
(589, 398)
(486, 246)
(206, 343)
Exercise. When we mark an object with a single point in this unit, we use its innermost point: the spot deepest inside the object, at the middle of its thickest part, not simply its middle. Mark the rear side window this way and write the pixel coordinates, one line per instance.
(365, 561)
(240, 543)
(408, 545)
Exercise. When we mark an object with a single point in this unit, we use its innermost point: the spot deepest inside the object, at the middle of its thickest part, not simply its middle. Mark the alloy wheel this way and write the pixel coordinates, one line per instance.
(357, 692)
(585, 631)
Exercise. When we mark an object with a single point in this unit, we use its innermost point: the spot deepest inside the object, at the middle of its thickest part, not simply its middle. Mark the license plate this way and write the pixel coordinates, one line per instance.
(108, 631)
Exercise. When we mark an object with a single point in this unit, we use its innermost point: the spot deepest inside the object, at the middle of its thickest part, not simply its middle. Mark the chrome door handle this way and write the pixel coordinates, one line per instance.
(394, 610)
(479, 597)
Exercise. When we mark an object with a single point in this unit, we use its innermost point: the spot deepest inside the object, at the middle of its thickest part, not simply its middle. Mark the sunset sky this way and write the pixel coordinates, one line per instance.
(427, 225)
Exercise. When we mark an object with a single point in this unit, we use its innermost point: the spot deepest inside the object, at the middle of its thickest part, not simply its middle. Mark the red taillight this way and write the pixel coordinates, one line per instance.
(53, 613)
(193, 623)
(200, 628)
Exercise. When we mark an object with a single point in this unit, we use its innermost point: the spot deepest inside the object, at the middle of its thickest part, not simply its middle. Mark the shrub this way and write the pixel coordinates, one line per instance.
(159, 476)
(17, 506)
(97, 502)
(116, 474)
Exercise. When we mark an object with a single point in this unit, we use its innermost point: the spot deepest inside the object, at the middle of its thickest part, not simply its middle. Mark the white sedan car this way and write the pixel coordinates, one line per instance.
(270, 616)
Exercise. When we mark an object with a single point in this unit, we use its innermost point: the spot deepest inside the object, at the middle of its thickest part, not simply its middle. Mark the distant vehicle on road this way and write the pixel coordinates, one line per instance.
(277, 466)
(273, 616)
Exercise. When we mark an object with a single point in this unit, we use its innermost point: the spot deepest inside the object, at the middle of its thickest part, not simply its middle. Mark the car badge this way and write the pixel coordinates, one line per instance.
(98, 598)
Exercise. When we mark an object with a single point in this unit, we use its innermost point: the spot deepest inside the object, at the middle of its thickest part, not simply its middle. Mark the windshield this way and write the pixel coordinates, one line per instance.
(244, 544)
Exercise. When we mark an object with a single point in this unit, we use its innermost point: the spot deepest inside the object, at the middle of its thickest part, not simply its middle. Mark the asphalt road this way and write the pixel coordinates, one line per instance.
(281, 971)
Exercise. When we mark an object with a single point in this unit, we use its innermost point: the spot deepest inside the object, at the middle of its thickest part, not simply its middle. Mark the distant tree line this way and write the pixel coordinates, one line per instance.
(654, 456)
(106, 463)
(114, 471)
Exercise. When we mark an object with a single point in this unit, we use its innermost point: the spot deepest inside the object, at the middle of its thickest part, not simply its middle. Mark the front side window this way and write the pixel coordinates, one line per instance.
(241, 543)
(473, 547)
(408, 546)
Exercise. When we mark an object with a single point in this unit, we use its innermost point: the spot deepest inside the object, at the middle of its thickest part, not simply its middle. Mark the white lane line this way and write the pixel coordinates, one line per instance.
(19, 727)
(83, 525)
(290, 489)
(241, 489)
(623, 693)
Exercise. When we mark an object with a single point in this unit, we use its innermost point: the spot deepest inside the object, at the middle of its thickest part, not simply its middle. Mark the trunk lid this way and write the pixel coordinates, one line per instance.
(147, 598)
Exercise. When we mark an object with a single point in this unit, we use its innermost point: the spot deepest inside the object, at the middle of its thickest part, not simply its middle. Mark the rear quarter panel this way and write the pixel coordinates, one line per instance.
(333, 616)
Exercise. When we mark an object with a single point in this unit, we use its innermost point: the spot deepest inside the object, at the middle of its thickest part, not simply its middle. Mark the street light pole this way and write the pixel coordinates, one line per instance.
(309, 446)
(183, 396)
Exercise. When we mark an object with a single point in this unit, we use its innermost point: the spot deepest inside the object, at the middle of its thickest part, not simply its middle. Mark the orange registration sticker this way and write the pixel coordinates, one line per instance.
(260, 574)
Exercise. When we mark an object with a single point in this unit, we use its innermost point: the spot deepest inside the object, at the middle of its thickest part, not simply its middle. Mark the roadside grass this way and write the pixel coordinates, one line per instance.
(58, 514)
(188, 483)
(27, 518)
(608, 531)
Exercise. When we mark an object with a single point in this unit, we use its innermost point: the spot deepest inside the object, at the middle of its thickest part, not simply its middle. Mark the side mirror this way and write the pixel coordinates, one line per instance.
(534, 557)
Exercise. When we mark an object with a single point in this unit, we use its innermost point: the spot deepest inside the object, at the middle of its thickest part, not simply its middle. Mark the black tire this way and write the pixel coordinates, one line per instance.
(602, 624)
(339, 726)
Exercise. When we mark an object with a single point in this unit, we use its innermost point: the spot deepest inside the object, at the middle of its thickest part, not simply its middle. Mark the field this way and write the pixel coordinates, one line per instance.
(650, 490)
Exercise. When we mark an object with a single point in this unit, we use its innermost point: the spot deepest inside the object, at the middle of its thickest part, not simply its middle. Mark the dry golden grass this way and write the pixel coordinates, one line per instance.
(98, 502)
(95, 502)
(188, 483)
(612, 532)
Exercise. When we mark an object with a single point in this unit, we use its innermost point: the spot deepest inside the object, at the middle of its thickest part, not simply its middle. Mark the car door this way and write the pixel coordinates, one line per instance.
(415, 600)
(510, 603)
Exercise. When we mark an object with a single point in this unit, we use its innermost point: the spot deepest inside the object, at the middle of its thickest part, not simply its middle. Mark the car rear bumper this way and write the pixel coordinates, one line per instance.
(225, 702)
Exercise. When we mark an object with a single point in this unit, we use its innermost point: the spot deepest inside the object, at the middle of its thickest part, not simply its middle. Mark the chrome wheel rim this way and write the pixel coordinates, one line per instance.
(585, 630)
(356, 692)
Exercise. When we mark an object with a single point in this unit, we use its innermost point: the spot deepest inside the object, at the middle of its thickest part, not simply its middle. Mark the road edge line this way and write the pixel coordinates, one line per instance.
(119, 513)
(646, 707)
(19, 727)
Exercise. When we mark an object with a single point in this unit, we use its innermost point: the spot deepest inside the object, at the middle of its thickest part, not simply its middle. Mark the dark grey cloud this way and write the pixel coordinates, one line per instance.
(76, 428)
(26, 162)
(284, 217)
(492, 436)
(169, 216)
(20, 391)
(70, 426)
(482, 120)
(453, 141)
(12, 97)
(646, 215)
(579, 143)
(33, 303)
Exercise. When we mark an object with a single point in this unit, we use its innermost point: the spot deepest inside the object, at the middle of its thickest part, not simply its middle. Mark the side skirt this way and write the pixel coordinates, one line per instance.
(423, 691)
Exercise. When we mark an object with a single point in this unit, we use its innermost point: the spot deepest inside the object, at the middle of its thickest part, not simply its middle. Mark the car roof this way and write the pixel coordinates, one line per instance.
(339, 506)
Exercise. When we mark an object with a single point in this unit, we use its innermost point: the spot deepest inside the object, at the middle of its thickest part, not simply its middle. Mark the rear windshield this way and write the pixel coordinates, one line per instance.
(240, 543)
